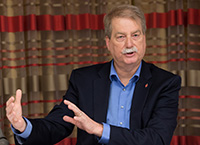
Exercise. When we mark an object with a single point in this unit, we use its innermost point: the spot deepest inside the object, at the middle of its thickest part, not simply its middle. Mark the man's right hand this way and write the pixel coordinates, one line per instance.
(14, 111)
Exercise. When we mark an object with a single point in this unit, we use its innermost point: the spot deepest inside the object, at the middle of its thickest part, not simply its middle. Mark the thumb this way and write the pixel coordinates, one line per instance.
(18, 96)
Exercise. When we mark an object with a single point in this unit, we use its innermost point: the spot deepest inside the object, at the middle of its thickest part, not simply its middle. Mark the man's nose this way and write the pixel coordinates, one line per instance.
(129, 42)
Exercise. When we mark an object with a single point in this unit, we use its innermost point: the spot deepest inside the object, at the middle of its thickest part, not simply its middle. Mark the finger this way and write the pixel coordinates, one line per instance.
(69, 119)
(10, 100)
(9, 105)
(73, 107)
(68, 102)
(18, 96)
(9, 108)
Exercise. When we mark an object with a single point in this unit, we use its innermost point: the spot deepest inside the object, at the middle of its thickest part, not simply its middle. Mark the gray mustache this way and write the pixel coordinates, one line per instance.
(129, 50)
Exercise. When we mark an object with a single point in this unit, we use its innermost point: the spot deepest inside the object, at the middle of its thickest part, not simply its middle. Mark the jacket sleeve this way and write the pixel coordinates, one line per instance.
(159, 128)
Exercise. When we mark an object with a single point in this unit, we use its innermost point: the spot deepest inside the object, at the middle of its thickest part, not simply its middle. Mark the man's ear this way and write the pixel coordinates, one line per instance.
(107, 39)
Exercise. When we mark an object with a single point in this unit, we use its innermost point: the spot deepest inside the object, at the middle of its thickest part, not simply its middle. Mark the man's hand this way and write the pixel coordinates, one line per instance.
(82, 121)
(14, 111)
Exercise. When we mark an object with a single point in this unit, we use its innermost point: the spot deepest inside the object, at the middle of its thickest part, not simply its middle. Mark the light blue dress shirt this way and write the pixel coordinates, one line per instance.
(118, 110)
(119, 103)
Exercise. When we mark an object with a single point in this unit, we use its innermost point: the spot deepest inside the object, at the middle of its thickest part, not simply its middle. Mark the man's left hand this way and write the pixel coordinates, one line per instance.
(82, 121)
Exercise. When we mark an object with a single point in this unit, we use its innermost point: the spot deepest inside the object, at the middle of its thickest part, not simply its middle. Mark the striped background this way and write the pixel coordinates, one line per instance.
(42, 41)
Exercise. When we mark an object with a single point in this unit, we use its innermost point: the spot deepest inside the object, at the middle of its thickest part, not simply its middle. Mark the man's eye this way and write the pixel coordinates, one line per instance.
(120, 38)
(135, 35)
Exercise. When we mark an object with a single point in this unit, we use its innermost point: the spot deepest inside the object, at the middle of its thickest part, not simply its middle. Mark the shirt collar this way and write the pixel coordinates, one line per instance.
(113, 73)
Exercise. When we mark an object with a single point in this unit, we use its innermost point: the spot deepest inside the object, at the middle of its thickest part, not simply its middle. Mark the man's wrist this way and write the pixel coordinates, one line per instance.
(22, 129)
(26, 132)
(24, 126)
(99, 130)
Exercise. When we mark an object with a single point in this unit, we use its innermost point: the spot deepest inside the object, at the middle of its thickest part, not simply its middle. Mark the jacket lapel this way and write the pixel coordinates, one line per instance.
(101, 94)
(139, 97)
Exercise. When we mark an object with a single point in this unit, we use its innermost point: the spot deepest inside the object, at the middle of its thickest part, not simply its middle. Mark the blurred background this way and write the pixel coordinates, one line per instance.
(41, 41)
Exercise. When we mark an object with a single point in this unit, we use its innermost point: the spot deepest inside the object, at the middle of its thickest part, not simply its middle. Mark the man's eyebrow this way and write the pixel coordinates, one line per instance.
(137, 31)
(119, 33)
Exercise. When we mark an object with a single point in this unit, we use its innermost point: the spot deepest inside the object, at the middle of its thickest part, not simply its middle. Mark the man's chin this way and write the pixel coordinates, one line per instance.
(131, 61)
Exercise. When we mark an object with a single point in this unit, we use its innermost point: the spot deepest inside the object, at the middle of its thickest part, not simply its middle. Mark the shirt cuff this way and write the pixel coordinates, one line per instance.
(106, 134)
(26, 132)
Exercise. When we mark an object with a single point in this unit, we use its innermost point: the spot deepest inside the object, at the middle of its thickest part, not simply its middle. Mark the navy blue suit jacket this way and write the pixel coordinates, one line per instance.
(153, 112)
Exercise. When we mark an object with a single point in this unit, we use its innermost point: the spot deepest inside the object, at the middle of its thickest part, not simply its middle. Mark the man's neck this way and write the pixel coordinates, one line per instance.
(125, 73)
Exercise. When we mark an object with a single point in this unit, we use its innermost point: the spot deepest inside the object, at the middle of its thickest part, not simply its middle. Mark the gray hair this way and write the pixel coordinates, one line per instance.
(124, 11)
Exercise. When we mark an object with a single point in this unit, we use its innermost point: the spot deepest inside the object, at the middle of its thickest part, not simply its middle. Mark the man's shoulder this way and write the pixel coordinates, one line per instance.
(161, 78)
(158, 72)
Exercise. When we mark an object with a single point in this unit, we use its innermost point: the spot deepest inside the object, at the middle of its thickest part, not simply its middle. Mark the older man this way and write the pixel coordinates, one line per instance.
(123, 102)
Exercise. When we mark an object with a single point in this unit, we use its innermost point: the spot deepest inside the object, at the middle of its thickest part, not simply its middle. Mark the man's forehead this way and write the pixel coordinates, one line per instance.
(121, 28)
(113, 21)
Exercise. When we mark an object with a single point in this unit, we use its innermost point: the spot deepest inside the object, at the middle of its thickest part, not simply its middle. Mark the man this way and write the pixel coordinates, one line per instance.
(123, 102)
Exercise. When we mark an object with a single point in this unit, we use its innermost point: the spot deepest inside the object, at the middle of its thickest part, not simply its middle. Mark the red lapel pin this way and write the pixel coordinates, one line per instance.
(146, 85)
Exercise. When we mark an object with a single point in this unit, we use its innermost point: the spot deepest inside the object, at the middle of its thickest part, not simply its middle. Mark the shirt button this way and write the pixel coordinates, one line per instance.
(122, 107)
(120, 123)
(124, 89)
